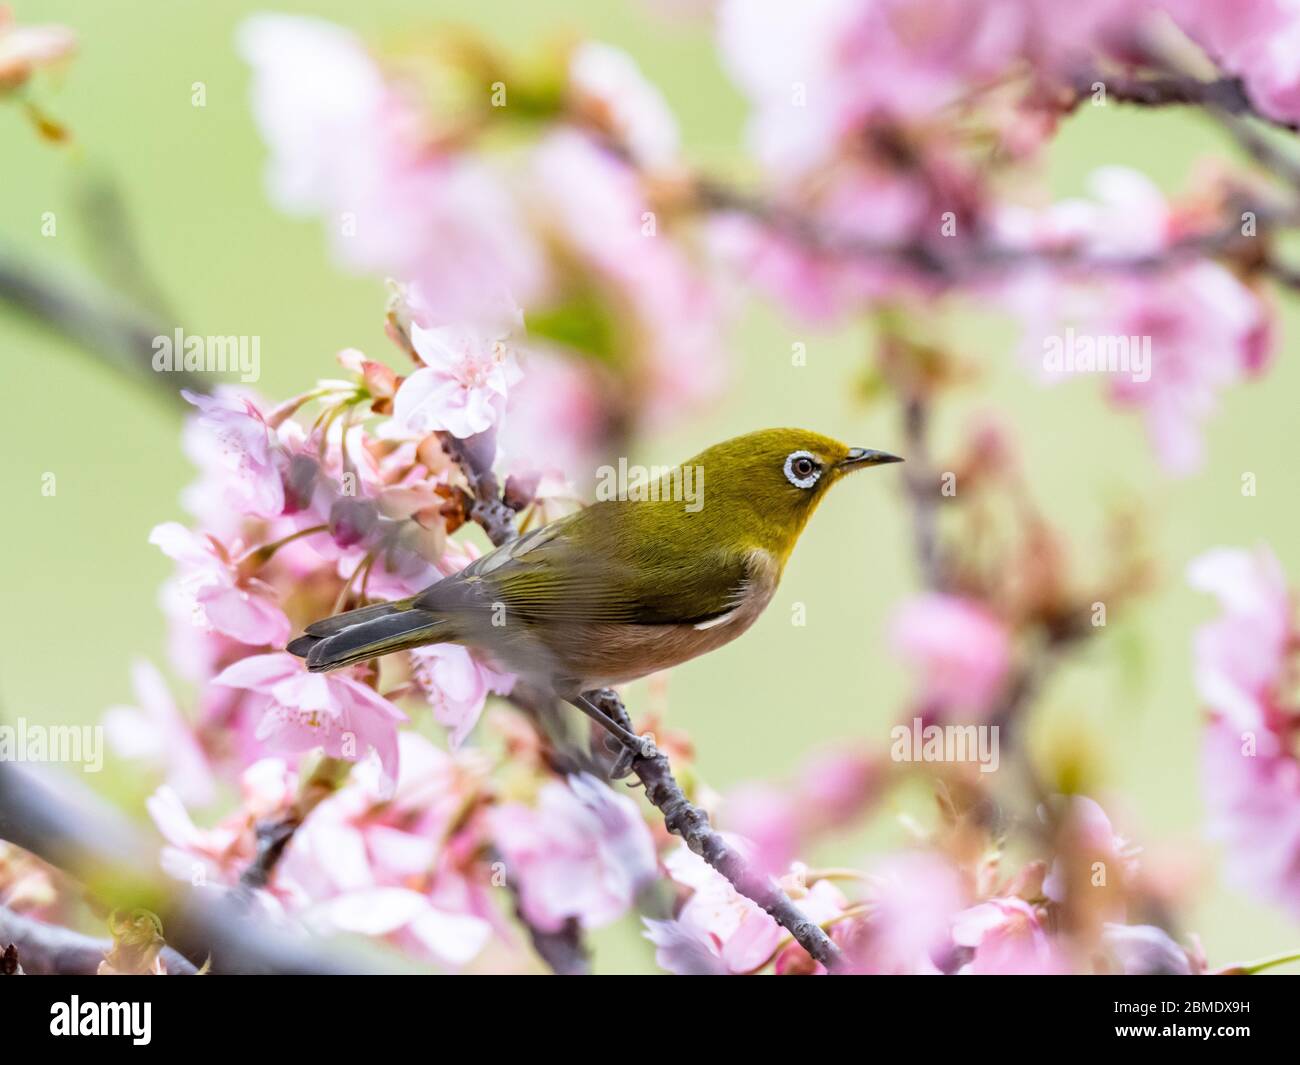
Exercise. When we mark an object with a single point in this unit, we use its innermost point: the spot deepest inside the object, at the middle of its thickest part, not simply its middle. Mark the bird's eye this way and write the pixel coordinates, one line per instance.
(802, 469)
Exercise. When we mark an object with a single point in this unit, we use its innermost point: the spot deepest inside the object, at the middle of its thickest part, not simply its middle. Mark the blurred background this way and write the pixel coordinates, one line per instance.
(81, 581)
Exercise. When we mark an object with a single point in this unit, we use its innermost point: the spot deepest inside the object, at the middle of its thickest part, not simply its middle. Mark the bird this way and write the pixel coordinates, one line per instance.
(628, 586)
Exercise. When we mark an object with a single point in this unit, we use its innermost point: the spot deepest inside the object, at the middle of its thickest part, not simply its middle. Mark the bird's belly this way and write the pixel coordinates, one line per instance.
(605, 655)
(602, 655)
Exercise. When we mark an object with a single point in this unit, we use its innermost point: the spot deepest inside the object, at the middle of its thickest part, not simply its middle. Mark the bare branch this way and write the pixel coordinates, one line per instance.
(687, 820)
(49, 950)
(97, 322)
(922, 486)
(563, 950)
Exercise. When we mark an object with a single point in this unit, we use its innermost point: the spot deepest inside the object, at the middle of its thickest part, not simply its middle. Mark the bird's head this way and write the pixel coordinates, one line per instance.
(778, 476)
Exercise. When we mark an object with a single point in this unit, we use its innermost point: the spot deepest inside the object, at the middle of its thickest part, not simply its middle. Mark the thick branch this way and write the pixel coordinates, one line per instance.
(49, 950)
(84, 838)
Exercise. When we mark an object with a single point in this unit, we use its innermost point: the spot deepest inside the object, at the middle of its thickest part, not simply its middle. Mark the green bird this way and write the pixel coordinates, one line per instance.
(625, 587)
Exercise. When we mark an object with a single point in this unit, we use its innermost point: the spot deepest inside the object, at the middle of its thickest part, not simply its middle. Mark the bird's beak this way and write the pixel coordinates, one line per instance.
(859, 457)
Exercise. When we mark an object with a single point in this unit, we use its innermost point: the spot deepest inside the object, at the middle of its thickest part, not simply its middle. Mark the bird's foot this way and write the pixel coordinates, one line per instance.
(634, 746)
(628, 754)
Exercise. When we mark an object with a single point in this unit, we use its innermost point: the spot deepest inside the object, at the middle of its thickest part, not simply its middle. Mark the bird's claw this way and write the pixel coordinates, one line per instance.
(622, 766)
(628, 754)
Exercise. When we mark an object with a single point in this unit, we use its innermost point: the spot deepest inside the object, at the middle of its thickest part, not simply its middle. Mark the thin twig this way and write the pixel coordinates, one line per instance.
(922, 486)
(98, 322)
(563, 949)
(688, 821)
(475, 456)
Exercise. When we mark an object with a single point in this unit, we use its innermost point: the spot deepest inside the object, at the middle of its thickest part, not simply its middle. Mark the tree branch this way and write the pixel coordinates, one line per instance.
(475, 456)
(922, 489)
(1168, 88)
(95, 321)
(50, 950)
(563, 950)
(82, 837)
(691, 823)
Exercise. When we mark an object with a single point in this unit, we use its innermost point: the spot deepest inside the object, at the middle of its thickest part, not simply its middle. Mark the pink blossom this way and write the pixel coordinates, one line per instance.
(1241, 655)
(457, 685)
(315, 92)
(730, 927)
(464, 383)
(467, 247)
(1196, 328)
(1257, 40)
(779, 822)
(388, 868)
(817, 72)
(682, 950)
(914, 898)
(195, 650)
(236, 444)
(219, 855)
(1125, 216)
(1145, 950)
(24, 49)
(220, 598)
(302, 711)
(1251, 783)
(155, 732)
(835, 785)
(770, 822)
(1250, 774)
(583, 852)
(1007, 939)
(607, 82)
(354, 148)
(1064, 38)
(671, 316)
(410, 917)
(194, 853)
(869, 205)
(365, 835)
(961, 652)
(394, 574)
(1207, 331)
(1086, 838)
(555, 418)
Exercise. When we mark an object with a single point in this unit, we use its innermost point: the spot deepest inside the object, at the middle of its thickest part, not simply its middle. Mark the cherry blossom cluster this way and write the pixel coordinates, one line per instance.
(561, 279)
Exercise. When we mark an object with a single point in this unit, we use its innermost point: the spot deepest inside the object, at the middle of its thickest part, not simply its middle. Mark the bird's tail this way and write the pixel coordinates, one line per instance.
(367, 632)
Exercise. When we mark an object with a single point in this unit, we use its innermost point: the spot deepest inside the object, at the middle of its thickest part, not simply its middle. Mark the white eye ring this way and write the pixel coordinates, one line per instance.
(793, 478)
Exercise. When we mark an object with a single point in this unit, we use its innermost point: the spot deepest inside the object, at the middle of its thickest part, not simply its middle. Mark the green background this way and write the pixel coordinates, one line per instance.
(80, 582)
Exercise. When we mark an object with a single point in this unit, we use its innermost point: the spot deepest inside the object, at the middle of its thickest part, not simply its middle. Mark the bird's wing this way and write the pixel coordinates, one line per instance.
(580, 570)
